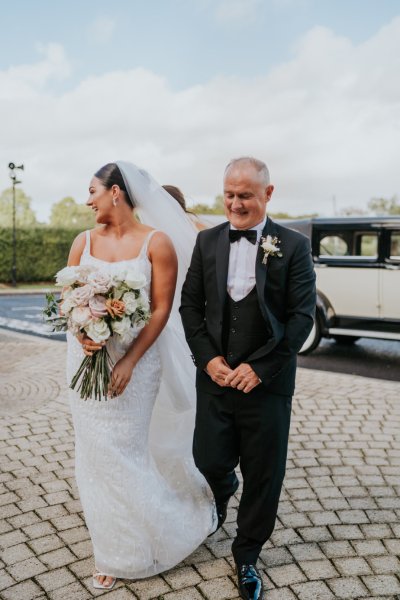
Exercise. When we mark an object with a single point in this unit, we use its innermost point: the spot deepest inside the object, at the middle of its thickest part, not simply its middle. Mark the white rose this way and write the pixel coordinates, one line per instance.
(72, 327)
(119, 275)
(98, 331)
(81, 295)
(121, 327)
(130, 301)
(67, 304)
(81, 316)
(67, 276)
(99, 282)
(83, 272)
(118, 290)
(143, 300)
(135, 280)
(268, 246)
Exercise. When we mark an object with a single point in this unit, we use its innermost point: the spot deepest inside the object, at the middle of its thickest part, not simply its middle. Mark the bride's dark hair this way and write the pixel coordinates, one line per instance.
(110, 175)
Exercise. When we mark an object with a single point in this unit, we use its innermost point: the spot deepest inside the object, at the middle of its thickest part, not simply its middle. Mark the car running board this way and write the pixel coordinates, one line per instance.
(382, 335)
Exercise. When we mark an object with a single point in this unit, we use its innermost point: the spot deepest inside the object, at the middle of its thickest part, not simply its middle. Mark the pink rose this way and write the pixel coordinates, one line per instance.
(81, 295)
(81, 316)
(100, 282)
(97, 305)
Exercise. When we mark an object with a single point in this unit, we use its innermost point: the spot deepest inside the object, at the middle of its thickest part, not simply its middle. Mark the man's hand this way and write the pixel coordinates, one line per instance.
(243, 378)
(218, 369)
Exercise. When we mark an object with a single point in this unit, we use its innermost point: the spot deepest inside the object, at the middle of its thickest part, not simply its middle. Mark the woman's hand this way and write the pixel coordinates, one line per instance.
(88, 345)
(120, 376)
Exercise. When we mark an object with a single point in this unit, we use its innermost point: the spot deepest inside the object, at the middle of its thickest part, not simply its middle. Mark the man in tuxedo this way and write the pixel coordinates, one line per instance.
(247, 307)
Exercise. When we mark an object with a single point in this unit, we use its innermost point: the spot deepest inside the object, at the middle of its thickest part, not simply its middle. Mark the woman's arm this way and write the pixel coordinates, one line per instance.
(164, 272)
(74, 259)
(77, 248)
(75, 253)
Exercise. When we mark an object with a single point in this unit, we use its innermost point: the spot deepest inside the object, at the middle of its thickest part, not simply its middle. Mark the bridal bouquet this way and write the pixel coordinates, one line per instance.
(99, 305)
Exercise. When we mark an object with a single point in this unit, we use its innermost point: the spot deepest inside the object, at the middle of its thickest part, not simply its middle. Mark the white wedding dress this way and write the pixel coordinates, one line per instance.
(146, 508)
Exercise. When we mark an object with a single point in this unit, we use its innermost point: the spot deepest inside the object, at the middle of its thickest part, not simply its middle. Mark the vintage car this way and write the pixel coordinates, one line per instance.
(357, 262)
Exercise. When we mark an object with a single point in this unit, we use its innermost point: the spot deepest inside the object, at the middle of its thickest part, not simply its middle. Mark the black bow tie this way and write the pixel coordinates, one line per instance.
(249, 234)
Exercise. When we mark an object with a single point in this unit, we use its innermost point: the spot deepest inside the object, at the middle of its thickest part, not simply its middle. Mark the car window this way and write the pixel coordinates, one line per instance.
(333, 245)
(348, 244)
(366, 244)
(395, 245)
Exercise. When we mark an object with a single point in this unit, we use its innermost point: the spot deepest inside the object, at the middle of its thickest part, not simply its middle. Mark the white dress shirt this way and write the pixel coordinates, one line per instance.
(242, 265)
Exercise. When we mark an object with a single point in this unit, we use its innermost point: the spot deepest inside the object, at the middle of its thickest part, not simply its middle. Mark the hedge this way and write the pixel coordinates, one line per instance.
(41, 252)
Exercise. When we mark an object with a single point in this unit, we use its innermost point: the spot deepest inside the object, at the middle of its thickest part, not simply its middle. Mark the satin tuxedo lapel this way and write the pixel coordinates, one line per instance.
(261, 283)
(222, 265)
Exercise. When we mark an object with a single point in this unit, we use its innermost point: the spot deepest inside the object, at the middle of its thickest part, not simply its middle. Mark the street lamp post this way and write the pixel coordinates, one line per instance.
(13, 176)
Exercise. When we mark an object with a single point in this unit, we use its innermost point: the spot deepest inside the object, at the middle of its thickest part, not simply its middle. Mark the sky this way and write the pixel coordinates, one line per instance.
(179, 87)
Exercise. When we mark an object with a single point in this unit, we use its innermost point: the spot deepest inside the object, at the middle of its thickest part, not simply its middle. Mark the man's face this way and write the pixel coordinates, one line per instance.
(245, 196)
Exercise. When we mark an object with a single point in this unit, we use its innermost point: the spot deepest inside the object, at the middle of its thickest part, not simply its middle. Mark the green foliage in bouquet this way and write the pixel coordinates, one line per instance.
(51, 314)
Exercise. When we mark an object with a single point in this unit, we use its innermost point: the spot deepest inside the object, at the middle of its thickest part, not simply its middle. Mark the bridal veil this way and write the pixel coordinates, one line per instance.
(173, 417)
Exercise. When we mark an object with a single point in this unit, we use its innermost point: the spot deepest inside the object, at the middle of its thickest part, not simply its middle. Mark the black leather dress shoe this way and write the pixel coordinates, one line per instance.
(250, 583)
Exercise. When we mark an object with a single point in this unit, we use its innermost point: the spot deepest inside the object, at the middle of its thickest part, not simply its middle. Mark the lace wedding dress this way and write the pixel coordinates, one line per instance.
(146, 508)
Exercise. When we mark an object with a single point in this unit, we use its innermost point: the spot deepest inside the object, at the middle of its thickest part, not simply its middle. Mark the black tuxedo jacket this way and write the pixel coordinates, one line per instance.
(286, 294)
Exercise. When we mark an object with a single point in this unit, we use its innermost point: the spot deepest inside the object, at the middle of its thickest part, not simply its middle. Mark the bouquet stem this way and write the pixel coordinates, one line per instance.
(93, 376)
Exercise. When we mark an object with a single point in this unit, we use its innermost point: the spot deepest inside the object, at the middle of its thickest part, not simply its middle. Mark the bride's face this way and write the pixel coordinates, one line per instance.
(100, 200)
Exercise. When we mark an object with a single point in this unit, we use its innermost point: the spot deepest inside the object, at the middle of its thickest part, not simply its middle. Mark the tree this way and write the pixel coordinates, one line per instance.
(384, 206)
(352, 211)
(285, 215)
(205, 209)
(67, 214)
(24, 215)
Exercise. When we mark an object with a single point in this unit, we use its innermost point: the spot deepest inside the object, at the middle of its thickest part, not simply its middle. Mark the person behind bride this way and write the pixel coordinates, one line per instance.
(146, 505)
(176, 193)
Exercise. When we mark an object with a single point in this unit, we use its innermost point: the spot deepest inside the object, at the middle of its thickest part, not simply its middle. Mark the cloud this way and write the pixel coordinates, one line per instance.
(101, 30)
(23, 81)
(289, 4)
(327, 123)
(231, 11)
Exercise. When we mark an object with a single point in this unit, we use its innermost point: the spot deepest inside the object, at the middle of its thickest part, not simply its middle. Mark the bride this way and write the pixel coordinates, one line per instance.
(145, 504)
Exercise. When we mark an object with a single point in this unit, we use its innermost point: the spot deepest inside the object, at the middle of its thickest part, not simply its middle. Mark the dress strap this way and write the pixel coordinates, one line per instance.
(86, 249)
(146, 242)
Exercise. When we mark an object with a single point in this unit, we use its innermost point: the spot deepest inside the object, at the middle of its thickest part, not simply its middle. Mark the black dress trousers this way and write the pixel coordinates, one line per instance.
(251, 429)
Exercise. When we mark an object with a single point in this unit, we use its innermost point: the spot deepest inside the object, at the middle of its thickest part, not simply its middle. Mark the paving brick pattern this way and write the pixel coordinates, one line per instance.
(338, 530)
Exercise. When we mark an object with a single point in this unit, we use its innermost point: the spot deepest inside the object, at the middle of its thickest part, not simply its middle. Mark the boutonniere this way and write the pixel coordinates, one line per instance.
(270, 246)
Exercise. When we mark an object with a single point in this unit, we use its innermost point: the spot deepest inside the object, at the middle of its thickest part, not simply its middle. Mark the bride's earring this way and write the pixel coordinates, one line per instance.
(114, 202)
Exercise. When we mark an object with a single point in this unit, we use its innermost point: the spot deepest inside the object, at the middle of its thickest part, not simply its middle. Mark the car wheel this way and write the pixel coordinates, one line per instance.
(345, 340)
(313, 339)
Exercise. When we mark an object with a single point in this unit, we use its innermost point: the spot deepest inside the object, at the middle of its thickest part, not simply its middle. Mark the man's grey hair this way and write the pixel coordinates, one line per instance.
(259, 165)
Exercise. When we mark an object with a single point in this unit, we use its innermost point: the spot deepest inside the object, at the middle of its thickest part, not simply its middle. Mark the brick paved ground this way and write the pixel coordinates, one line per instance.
(338, 533)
